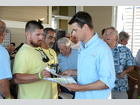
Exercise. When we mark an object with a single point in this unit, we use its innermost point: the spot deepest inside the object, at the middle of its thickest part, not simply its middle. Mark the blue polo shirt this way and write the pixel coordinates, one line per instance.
(70, 62)
(5, 66)
(95, 62)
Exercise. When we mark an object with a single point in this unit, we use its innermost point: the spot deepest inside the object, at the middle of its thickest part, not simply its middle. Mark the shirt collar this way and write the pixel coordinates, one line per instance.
(92, 40)
(116, 47)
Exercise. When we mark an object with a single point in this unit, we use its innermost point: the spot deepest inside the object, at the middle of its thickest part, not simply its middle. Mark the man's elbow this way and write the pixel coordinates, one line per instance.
(16, 79)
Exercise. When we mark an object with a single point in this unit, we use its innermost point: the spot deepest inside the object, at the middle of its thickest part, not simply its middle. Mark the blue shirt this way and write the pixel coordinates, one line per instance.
(70, 62)
(95, 62)
(5, 67)
(122, 59)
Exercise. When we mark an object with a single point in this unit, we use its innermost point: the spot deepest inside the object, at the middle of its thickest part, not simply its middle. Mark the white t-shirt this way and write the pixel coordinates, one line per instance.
(75, 46)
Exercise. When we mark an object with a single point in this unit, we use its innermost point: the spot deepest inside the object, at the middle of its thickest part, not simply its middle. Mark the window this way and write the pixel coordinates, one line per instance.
(64, 10)
(61, 15)
(128, 19)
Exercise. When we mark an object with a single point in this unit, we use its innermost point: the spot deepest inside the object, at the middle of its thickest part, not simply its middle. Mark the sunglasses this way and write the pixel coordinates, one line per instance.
(76, 18)
(44, 56)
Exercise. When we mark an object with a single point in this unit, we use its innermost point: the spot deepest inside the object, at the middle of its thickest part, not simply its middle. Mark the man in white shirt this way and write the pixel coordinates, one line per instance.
(75, 43)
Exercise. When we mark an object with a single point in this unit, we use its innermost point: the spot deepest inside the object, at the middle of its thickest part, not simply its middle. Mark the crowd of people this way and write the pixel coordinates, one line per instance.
(100, 67)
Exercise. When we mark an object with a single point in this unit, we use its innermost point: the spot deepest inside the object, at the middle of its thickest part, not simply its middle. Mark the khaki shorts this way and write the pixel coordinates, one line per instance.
(1, 97)
(119, 95)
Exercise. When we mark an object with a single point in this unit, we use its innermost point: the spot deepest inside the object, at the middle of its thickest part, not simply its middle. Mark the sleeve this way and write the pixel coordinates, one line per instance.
(106, 68)
(137, 59)
(21, 62)
(5, 67)
(130, 58)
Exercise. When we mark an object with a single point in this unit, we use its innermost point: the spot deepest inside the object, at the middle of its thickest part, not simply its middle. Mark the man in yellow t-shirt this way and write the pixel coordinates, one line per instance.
(29, 64)
(47, 44)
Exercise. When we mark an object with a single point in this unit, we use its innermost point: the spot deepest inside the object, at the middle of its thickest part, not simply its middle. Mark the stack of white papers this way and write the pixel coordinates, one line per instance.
(52, 71)
(62, 80)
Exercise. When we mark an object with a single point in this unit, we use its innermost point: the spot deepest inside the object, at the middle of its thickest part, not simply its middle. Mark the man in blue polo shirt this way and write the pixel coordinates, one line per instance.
(5, 68)
(67, 59)
(95, 68)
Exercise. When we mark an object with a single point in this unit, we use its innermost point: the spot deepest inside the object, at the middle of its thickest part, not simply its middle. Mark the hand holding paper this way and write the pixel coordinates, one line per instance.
(61, 79)
(52, 71)
(45, 74)
(69, 72)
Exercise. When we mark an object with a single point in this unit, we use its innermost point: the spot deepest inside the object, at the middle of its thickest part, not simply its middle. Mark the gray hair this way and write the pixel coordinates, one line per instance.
(65, 41)
(46, 30)
(115, 31)
(2, 26)
(123, 35)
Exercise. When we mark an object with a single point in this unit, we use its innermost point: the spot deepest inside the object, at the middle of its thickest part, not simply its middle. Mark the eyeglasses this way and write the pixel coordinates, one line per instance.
(76, 18)
(109, 34)
(43, 54)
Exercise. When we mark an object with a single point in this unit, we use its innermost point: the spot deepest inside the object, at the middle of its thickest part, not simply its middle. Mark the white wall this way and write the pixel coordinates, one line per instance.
(16, 17)
(102, 17)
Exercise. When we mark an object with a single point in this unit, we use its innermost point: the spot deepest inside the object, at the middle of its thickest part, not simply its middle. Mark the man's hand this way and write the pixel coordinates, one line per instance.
(122, 74)
(45, 74)
(72, 86)
(69, 72)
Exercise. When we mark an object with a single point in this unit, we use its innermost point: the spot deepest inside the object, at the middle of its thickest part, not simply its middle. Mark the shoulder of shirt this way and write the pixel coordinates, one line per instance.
(3, 49)
(51, 49)
(25, 49)
(59, 55)
(120, 46)
(25, 46)
(74, 50)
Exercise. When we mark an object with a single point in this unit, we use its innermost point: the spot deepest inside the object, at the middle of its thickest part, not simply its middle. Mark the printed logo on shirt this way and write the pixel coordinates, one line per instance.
(93, 55)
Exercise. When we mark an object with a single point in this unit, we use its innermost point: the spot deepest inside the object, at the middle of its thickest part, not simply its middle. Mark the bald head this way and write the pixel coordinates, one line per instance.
(2, 27)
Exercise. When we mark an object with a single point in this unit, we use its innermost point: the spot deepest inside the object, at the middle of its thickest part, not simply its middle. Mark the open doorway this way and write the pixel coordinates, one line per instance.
(61, 16)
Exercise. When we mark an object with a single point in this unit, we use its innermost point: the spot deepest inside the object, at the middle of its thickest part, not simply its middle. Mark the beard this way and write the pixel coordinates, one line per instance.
(38, 44)
(50, 45)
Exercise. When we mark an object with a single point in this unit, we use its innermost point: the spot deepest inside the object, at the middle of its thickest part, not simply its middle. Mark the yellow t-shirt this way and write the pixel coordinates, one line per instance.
(51, 55)
(52, 59)
(29, 61)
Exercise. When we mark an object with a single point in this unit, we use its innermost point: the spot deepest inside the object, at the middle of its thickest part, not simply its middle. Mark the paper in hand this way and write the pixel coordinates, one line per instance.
(60, 79)
(52, 71)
